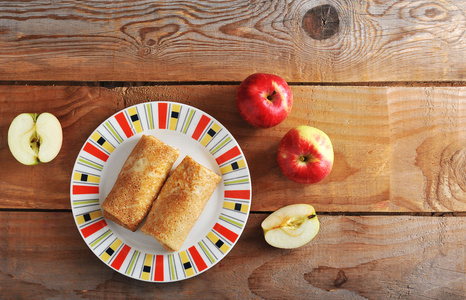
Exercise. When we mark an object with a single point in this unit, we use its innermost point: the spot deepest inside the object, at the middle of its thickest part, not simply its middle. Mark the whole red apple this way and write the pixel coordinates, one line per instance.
(264, 100)
(305, 154)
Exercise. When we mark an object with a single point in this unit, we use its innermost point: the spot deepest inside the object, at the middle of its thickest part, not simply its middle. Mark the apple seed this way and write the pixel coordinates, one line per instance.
(34, 142)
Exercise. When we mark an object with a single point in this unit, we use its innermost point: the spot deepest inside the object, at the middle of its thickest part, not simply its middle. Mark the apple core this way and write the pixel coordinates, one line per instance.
(293, 222)
(35, 142)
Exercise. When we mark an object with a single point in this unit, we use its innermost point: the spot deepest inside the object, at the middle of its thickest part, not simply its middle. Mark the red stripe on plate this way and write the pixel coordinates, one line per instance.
(121, 257)
(158, 273)
(203, 122)
(225, 232)
(200, 264)
(163, 107)
(93, 150)
(121, 119)
(232, 153)
(85, 189)
(91, 229)
(238, 194)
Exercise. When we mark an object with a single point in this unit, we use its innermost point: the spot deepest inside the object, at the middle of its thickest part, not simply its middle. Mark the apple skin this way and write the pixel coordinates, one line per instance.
(264, 100)
(291, 226)
(305, 155)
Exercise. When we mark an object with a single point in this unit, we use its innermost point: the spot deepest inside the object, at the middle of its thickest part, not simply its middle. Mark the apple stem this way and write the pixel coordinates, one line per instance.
(311, 216)
(269, 97)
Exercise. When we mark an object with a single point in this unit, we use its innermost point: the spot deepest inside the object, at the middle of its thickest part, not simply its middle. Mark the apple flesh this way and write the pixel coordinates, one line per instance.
(291, 226)
(305, 154)
(264, 100)
(34, 138)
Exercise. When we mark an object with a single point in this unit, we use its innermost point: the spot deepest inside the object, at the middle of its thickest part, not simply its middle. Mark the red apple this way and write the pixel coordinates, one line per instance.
(305, 154)
(264, 100)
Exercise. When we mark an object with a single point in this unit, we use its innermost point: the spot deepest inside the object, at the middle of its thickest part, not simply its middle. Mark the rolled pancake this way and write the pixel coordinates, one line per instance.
(180, 203)
(139, 182)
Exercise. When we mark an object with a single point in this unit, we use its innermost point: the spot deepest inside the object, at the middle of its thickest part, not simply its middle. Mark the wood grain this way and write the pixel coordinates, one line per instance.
(351, 258)
(80, 110)
(140, 40)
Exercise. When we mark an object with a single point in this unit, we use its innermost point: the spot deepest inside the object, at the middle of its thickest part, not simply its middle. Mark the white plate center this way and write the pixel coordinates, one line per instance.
(187, 146)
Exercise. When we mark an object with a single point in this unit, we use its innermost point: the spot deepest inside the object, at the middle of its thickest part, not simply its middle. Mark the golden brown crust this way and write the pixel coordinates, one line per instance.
(139, 182)
(180, 203)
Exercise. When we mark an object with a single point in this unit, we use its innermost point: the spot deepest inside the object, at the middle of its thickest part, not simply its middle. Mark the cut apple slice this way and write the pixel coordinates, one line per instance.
(291, 226)
(34, 139)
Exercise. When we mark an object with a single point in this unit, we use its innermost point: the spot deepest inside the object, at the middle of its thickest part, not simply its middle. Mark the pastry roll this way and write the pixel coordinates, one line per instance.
(139, 182)
(180, 203)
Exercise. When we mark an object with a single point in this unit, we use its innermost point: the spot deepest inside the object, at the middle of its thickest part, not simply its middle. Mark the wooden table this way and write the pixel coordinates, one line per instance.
(384, 79)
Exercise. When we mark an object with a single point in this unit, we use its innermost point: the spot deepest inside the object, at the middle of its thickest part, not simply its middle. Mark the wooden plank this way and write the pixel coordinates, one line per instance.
(303, 41)
(379, 257)
(396, 148)
(80, 110)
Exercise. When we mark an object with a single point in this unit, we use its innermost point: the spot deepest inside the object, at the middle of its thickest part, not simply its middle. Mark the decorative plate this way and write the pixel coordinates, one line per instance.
(193, 132)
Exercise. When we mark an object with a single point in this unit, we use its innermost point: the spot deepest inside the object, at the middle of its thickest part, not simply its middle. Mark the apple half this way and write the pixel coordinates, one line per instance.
(291, 226)
(35, 138)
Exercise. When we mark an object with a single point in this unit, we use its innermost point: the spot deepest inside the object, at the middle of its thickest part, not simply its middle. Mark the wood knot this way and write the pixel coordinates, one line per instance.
(443, 19)
(341, 279)
(444, 166)
(327, 278)
(451, 187)
(321, 22)
(145, 51)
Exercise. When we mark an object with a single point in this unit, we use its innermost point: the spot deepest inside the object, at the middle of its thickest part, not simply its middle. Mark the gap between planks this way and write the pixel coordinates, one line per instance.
(116, 84)
(361, 214)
